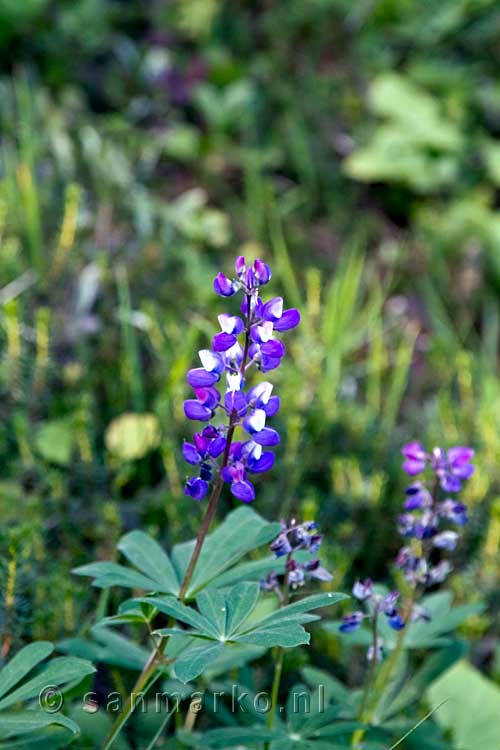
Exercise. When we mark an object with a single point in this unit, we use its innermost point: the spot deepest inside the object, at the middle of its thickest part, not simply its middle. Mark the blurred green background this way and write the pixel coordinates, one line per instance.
(353, 145)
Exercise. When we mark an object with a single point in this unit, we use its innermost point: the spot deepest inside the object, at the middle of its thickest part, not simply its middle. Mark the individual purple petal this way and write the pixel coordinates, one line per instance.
(267, 437)
(224, 286)
(269, 363)
(413, 467)
(363, 589)
(396, 622)
(449, 483)
(453, 511)
(243, 490)
(273, 406)
(194, 410)
(199, 377)
(388, 603)
(281, 546)
(249, 278)
(273, 309)
(317, 571)
(273, 349)
(209, 396)
(289, 319)
(221, 342)
(240, 265)
(217, 446)
(230, 323)
(227, 474)
(196, 488)
(417, 497)
(351, 622)
(459, 460)
(256, 306)
(235, 401)
(211, 361)
(264, 463)
(262, 271)
(190, 453)
(415, 458)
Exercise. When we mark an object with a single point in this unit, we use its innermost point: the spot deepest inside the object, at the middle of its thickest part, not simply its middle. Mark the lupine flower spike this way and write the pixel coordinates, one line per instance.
(424, 524)
(243, 342)
(292, 538)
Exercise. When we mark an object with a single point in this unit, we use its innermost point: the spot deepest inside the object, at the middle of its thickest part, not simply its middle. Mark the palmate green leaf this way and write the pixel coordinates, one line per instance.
(242, 531)
(26, 722)
(196, 658)
(107, 574)
(224, 618)
(149, 557)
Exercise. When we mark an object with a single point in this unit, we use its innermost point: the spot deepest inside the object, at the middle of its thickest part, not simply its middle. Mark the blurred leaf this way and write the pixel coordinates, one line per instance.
(132, 436)
(471, 708)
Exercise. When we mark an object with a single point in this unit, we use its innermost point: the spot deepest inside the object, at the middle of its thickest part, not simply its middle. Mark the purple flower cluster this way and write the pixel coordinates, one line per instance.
(376, 604)
(292, 538)
(426, 513)
(242, 342)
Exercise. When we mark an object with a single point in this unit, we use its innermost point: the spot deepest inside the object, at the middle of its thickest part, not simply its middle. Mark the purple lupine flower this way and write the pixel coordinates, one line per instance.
(196, 488)
(363, 590)
(446, 540)
(417, 497)
(351, 622)
(240, 344)
(452, 467)
(416, 458)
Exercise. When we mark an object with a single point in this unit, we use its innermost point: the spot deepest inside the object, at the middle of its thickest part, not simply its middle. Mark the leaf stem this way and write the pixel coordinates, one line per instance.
(278, 658)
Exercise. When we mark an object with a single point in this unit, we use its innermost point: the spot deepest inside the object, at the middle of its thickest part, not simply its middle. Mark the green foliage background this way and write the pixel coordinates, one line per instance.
(354, 146)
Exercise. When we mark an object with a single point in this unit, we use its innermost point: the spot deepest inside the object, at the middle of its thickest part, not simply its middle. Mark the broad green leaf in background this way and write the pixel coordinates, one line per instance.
(470, 708)
(54, 441)
(131, 436)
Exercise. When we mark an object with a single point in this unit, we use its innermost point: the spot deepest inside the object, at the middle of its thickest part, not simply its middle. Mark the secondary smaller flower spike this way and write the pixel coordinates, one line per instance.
(427, 512)
(292, 538)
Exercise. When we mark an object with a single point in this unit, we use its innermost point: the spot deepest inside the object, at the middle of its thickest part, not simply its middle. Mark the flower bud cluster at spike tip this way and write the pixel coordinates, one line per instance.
(376, 605)
(292, 538)
(246, 340)
(426, 512)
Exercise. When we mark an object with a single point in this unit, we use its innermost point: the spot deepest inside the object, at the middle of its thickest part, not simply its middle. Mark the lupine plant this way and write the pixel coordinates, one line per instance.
(208, 613)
